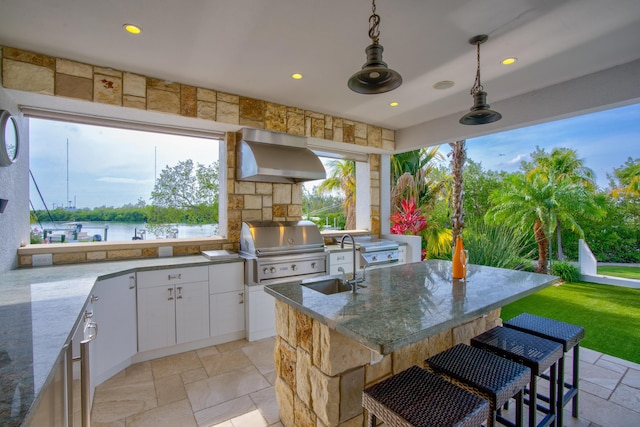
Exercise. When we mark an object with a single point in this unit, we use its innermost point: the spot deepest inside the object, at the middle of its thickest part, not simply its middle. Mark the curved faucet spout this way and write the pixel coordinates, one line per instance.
(354, 280)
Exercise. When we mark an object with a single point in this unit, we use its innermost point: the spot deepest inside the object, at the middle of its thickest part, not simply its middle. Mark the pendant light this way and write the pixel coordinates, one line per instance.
(480, 113)
(375, 76)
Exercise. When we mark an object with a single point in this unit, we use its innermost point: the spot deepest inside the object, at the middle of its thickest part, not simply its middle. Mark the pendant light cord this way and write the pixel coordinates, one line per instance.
(374, 24)
(477, 86)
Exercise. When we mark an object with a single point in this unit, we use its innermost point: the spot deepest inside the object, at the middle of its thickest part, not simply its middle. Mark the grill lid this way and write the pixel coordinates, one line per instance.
(262, 238)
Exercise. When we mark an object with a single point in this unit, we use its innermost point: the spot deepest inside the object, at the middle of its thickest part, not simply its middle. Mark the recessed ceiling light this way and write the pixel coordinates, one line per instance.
(394, 104)
(133, 29)
(444, 84)
(509, 61)
(296, 76)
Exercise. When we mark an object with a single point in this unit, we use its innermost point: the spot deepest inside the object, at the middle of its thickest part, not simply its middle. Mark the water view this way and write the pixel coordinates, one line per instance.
(125, 231)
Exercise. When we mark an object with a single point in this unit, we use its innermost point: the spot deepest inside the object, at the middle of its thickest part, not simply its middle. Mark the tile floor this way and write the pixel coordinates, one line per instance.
(231, 385)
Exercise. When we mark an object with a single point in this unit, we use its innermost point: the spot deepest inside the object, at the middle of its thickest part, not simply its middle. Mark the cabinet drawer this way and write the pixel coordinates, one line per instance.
(226, 277)
(172, 276)
(339, 258)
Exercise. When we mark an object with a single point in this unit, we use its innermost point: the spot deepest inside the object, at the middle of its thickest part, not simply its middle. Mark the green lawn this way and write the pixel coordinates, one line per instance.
(626, 272)
(609, 314)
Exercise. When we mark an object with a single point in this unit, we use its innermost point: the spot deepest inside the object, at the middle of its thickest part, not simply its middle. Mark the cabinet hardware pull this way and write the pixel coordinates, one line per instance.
(170, 294)
(175, 276)
(179, 292)
(241, 294)
(132, 282)
(94, 298)
(88, 314)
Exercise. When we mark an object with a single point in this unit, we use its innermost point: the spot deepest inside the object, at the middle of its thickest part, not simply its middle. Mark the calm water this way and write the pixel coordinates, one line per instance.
(124, 231)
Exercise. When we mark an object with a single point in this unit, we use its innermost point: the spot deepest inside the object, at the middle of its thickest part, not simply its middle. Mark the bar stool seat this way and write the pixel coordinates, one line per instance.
(566, 334)
(536, 353)
(485, 374)
(417, 398)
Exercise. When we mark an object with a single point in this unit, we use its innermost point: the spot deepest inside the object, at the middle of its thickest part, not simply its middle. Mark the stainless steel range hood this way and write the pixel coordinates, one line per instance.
(266, 156)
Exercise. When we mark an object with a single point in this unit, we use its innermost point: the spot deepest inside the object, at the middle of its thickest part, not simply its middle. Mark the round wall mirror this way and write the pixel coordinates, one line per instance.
(9, 139)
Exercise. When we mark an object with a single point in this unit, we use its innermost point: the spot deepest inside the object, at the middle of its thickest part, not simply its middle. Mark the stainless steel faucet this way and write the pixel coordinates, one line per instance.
(354, 280)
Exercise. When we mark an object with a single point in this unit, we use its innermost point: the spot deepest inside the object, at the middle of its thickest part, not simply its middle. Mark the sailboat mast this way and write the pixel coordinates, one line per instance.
(68, 201)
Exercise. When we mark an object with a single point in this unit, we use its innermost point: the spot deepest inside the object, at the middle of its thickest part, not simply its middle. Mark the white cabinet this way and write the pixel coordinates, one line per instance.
(173, 306)
(226, 300)
(261, 313)
(402, 254)
(342, 259)
(114, 310)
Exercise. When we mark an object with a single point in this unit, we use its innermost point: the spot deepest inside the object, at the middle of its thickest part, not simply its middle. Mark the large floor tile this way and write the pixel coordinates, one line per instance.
(261, 355)
(215, 415)
(601, 376)
(632, 378)
(120, 399)
(233, 345)
(171, 415)
(606, 413)
(267, 403)
(626, 396)
(170, 389)
(220, 363)
(221, 388)
(176, 364)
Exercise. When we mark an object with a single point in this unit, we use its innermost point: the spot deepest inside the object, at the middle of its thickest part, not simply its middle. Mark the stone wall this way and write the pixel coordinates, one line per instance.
(39, 73)
(321, 373)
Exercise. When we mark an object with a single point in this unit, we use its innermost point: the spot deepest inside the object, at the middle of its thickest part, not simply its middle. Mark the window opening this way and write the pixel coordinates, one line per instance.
(97, 183)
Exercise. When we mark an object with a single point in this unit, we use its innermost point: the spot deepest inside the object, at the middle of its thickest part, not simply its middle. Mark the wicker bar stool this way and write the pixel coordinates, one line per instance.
(536, 353)
(569, 336)
(417, 398)
(485, 374)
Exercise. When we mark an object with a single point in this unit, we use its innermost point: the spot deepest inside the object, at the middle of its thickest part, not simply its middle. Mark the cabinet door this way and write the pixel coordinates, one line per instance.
(192, 311)
(156, 317)
(261, 313)
(115, 314)
(227, 312)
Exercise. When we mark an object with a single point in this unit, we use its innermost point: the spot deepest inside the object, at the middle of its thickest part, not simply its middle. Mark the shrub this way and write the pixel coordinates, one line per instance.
(497, 246)
(567, 271)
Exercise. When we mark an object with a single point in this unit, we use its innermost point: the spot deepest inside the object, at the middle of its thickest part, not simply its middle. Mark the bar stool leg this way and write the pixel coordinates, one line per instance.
(372, 421)
(553, 399)
(560, 392)
(519, 414)
(576, 379)
(533, 394)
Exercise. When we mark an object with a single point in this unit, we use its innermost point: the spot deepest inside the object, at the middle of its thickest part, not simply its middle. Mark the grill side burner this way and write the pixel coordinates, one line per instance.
(375, 252)
(279, 251)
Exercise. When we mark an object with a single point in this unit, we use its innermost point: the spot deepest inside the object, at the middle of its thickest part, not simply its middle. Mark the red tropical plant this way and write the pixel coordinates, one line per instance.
(408, 219)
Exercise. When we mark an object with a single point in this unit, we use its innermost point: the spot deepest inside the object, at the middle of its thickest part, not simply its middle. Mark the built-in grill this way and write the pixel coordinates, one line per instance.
(374, 251)
(279, 251)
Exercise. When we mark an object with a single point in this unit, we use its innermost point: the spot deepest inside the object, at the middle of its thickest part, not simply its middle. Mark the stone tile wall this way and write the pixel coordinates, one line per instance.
(321, 373)
(40, 73)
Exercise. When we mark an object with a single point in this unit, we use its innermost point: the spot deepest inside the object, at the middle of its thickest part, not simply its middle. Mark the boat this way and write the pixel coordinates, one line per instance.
(69, 232)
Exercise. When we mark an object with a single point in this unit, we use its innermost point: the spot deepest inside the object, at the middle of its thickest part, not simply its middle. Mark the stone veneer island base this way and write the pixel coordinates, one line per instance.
(321, 373)
(330, 347)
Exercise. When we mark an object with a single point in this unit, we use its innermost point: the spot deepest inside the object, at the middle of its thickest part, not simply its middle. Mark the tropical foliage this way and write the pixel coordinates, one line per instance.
(342, 176)
(408, 220)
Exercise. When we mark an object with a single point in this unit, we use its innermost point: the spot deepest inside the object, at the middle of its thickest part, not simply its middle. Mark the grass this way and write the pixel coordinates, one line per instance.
(625, 272)
(610, 315)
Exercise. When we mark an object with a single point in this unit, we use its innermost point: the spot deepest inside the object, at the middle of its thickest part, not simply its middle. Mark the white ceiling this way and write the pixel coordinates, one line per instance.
(251, 48)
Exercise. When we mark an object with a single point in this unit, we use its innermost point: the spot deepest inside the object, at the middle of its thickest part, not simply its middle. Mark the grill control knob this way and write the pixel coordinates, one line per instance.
(272, 270)
(265, 270)
(389, 256)
(313, 265)
(294, 267)
(374, 258)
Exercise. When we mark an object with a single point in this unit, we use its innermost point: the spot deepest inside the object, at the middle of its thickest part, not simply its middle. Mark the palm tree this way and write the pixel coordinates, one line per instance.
(540, 201)
(629, 178)
(414, 175)
(562, 164)
(458, 156)
(342, 177)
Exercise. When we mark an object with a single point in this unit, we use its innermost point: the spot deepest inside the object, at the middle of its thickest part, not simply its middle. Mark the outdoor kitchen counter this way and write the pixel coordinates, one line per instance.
(38, 311)
(330, 347)
(407, 303)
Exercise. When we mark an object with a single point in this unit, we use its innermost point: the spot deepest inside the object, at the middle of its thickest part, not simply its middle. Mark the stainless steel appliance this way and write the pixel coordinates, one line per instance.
(279, 251)
(376, 252)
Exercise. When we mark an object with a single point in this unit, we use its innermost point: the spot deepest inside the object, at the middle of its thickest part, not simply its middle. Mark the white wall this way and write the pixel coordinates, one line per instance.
(14, 186)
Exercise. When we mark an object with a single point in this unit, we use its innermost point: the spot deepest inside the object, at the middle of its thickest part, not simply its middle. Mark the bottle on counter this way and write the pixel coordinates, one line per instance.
(459, 261)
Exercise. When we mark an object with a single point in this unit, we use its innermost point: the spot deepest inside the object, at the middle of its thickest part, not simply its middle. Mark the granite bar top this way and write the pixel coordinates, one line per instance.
(39, 308)
(404, 304)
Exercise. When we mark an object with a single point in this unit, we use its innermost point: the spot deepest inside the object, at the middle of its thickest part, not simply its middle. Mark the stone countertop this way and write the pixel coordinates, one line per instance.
(404, 304)
(39, 308)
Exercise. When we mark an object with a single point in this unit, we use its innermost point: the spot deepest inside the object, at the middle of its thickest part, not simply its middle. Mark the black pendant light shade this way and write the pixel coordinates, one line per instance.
(480, 113)
(375, 76)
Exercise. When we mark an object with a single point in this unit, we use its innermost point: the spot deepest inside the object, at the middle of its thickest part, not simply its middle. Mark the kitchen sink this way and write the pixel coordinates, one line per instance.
(327, 286)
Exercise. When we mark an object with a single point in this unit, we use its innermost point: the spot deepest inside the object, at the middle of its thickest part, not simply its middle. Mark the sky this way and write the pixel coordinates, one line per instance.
(113, 167)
